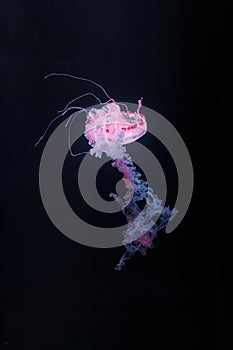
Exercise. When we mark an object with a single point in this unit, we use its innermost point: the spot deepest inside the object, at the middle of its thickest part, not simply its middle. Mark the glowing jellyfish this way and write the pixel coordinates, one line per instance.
(108, 129)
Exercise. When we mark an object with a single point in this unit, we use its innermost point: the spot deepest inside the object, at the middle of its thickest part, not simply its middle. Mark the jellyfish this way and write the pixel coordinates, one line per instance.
(108, 129)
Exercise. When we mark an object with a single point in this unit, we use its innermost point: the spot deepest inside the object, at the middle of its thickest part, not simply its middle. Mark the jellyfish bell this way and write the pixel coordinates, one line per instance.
(110, 123)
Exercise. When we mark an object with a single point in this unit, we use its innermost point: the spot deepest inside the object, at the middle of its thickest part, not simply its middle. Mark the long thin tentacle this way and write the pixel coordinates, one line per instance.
(79, 78)
(78, 98)
(69, 132)
(52, 121)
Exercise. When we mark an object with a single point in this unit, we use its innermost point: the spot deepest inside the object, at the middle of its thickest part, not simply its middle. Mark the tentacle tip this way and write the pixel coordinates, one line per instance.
(117, 268)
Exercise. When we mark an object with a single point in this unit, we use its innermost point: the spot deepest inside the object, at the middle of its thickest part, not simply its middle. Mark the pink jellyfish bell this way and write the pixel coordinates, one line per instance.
(110, 124)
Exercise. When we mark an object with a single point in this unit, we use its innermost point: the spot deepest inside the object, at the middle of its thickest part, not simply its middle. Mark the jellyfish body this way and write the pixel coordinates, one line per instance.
(108, 129)
(110, 123)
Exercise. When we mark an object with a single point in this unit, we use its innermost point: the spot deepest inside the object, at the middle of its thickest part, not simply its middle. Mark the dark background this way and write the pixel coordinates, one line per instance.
(57, 294)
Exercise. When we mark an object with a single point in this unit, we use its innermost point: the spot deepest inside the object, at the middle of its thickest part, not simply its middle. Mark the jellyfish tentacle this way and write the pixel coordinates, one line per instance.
(79, 97)
(53, 120)
(79, 78)
(70, 122)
